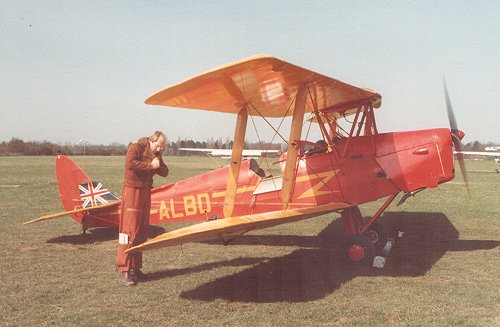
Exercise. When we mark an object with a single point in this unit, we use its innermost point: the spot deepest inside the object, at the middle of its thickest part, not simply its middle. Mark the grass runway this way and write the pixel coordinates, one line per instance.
(442, 271)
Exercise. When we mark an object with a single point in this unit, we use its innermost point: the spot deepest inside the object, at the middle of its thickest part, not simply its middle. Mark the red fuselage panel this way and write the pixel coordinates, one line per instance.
(357, 171)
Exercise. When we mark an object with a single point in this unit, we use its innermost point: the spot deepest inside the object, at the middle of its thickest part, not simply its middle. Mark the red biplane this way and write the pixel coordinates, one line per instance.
(352, 164)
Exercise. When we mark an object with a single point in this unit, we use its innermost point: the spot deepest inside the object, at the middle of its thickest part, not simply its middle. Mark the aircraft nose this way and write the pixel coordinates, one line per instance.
(460, 134)
(457, 134)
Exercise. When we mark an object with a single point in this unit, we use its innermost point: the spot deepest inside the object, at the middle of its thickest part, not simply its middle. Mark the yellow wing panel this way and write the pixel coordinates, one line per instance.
(233, 225)
(267, 83)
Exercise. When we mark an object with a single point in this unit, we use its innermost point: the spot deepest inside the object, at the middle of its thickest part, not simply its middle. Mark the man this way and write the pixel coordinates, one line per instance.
(142, 162)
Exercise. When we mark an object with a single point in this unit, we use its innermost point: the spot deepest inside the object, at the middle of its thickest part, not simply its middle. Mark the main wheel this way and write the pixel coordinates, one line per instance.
(359, 250)
(378, 236)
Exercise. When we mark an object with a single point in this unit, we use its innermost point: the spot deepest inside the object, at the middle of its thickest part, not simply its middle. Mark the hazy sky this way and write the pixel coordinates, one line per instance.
(82, 69)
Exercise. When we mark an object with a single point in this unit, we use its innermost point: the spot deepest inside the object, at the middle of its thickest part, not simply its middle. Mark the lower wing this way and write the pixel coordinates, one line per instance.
(233, 225)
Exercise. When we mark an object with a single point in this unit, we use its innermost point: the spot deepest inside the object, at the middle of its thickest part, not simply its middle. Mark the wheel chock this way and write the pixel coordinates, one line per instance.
(379, 260)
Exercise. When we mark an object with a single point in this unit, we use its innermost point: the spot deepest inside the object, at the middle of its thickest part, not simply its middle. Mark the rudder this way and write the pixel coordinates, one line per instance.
(69, 176)
(77, 190)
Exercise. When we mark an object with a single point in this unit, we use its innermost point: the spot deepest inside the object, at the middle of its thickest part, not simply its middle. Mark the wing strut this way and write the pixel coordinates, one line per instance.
(234, 166)
(293, 149)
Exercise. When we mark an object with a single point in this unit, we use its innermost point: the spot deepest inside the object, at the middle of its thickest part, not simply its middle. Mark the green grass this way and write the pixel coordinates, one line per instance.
(442, 271)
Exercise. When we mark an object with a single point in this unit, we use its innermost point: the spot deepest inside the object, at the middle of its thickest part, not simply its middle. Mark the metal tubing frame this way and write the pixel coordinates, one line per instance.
(361, 121)
(320, 121)
(351, 133)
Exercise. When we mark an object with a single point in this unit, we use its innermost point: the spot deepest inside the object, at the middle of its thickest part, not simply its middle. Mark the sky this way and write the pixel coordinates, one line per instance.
(82, 69)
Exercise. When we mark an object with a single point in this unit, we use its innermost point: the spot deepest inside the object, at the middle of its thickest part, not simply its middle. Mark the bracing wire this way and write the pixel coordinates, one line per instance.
(261, 145)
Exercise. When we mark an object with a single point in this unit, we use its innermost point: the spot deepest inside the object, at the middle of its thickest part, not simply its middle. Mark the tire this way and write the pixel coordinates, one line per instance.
(378, 236)
(359, 250)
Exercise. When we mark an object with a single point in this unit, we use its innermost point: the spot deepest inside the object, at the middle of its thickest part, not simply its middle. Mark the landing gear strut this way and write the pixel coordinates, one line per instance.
(363, 240)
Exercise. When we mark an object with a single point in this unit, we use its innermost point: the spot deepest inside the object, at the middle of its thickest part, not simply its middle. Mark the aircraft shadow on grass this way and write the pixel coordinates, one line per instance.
(316, 269)
(97, 235)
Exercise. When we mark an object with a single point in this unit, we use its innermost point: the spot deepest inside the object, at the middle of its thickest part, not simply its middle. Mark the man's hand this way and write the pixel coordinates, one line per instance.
(155, 163)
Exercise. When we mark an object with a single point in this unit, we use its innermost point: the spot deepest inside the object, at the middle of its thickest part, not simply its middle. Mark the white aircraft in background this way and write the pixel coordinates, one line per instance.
(487, 153)
(227, 152)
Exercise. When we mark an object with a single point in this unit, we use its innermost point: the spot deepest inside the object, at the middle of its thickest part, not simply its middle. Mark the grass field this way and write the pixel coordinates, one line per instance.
(443, 270)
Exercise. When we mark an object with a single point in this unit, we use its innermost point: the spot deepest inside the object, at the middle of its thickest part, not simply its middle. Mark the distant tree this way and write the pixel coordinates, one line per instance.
(210, 143)
(3, 148)
(16, 146)
(477, 146)
(173, 149)
(66, 150)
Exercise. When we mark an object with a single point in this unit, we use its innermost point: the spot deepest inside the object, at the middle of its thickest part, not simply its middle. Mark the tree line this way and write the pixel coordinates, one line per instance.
(18, 147)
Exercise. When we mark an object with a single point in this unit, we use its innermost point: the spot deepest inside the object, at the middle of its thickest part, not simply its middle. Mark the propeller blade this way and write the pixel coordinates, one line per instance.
(449, 110)
(455, 137)
(461, 163)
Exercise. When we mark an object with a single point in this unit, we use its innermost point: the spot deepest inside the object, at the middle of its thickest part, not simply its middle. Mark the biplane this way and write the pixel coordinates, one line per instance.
(353, 163)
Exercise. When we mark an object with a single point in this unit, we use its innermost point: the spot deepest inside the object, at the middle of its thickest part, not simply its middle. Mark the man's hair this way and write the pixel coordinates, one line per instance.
(156, 135)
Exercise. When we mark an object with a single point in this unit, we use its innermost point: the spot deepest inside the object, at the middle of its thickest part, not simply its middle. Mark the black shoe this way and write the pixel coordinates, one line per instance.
(139, 276)
(126, 278)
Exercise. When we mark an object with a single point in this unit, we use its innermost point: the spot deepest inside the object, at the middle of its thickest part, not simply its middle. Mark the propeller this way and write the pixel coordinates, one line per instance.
(456, 136)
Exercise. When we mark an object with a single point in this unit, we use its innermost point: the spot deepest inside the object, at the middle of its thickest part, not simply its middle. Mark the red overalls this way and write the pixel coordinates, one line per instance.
(133, 228)
(136, 202)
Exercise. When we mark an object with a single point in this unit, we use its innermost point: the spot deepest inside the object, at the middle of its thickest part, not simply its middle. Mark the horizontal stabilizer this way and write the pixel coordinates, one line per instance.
(70, 212)
(233, 225)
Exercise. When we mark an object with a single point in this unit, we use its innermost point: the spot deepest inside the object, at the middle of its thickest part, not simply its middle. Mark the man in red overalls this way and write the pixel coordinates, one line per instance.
(142, 162)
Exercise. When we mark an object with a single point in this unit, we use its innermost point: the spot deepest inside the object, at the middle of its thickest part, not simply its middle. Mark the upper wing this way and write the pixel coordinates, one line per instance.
(269, 84)
(233, 225)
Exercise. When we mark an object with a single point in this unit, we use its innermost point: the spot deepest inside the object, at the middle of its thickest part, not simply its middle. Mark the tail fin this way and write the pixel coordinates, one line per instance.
(69, 177)
(77, 190)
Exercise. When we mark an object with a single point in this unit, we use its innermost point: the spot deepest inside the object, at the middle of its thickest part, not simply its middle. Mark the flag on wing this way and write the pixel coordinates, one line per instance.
(94, 193)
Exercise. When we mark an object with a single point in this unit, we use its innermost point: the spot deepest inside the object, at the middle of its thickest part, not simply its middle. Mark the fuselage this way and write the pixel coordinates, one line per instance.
(354, 171)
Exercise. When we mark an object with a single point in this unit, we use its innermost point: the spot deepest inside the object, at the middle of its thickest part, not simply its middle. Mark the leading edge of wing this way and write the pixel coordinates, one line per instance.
(233, 225)
(268, 84)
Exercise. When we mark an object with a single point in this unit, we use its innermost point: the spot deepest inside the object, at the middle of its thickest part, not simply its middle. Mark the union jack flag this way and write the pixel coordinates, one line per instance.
(94, 193)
